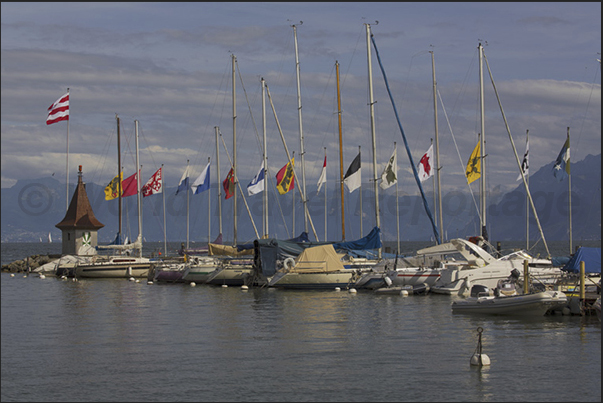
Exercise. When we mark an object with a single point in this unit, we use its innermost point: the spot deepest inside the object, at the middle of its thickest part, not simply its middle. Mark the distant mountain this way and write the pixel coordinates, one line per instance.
(31, 208)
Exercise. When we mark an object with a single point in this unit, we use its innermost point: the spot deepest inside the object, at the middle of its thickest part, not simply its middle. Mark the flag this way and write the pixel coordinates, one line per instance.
(473, 170)
(257, 183)
(561, 169)
(323, 175)
(425, 167)
(59, 110)
(229, 185)
(112, 189)
(389, 176)
(525, 166)
(129, 186)
(352, 177)
(201, 184)
(153, 185)
(285, 179)
(183, 184)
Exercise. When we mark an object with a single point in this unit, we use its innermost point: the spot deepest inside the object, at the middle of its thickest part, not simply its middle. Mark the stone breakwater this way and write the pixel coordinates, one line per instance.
(29, 263)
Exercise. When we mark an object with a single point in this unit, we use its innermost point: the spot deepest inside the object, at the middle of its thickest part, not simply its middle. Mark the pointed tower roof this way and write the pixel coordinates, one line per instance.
(79, 214)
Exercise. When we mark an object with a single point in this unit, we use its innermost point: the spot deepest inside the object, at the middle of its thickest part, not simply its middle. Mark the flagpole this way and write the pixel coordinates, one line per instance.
(569, 186)
(325, 198)
(527, 200)
(397, 207)
(67, 157)
(433, 182)
(187, 205)
(360, 198)
(340, 153)
(293, 204)
(209, 209)
(217, 129)
(164, 229)
(138, 190)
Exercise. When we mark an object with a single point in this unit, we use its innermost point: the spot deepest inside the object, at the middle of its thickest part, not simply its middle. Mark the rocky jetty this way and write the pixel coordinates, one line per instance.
(29, 263)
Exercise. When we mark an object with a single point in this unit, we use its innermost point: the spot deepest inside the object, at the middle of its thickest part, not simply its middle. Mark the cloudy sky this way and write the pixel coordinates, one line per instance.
(169, 66)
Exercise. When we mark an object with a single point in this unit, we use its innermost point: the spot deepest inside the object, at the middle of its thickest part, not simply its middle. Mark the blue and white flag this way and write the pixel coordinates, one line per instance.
(202, 182)
(183, 184)
(257, 183)
(561, 169)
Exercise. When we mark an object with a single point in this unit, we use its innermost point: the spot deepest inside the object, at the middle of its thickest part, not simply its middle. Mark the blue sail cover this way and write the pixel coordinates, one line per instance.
(268, 251)
(591, 258)
(371, 241)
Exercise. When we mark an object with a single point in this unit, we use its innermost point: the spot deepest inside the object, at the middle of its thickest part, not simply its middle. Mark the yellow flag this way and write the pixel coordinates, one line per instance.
(112, 189)
(285, 179)
(474, 170)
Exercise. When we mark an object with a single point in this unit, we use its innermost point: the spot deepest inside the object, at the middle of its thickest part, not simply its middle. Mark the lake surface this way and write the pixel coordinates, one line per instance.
(116, 340)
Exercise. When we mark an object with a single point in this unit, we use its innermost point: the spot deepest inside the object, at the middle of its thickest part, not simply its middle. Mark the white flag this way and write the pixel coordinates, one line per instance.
(425, 165)
(257, 183)
(525, 166)
(389, 176)
(353, 177)
(323, 175)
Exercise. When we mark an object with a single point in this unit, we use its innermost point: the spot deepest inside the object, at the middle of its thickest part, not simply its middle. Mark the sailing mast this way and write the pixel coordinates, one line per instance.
(217, 129)
(483, 231)
(264, 157)
(437, 149)
(301, 132)
(118, 175)
(569, 193)
(234, 148)
(372, 109)
(340, 153)
(138, 192)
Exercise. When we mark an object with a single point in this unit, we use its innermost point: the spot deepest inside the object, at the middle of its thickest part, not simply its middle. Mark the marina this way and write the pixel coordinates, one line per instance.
(227, 343)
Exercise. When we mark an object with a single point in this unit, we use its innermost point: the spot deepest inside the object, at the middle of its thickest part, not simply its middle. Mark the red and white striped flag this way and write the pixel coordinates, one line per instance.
(153, 185)
(323, 175)
(59, 110)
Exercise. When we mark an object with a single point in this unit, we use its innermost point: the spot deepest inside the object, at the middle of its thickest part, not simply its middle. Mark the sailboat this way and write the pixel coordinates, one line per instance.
(122, 265)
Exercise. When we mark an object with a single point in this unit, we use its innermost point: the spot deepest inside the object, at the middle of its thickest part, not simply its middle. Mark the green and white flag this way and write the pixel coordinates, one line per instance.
(389, 176)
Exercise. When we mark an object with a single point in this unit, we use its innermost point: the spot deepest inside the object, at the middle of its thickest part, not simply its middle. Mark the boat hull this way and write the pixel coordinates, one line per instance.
(314, 281)
(115, 270)
(537, 304)
(414, 276)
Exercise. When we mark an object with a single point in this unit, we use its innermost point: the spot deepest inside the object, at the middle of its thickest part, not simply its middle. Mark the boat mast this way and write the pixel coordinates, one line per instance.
(340, 153)
(138, 169)
(265, 192)
(437, 148)
(360, 197)
(301, 132)
(372, 109)
(483, 231)
(217, 129)
(325, 198)
(118, 175)
(527, 201)
(187, 220)
(234, 148)
(67, 162)
(209, 209)
(569, 193)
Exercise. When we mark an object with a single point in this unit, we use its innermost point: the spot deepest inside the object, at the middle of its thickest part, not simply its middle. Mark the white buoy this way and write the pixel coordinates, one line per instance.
(244, 288)
(352, 291)
(337, 289)
(193, 284)
(42, 276)
(63, 277)
(137, 280)
(25, 276)
(479, 359)
(74, 279)
(149, 282)
(224, 286)
(131, 279)
(12, 274)
(404, 293)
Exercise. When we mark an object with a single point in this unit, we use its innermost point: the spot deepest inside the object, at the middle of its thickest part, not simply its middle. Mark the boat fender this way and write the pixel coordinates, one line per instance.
(388, 281)
(352, 291)
(289, 263)
(404, 293)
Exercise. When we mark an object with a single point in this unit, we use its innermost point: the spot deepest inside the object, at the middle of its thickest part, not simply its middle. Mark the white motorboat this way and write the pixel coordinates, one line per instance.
(199, 269)
(477, 266)
(536, 304)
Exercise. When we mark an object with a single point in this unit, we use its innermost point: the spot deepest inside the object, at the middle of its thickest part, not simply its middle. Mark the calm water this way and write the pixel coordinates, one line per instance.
(115, 340)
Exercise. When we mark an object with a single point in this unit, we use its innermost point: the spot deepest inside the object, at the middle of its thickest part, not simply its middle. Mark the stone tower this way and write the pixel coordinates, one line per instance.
(79, 227)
